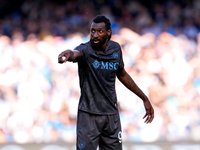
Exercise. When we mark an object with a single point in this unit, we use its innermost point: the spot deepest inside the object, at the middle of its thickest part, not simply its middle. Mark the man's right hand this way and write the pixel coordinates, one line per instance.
(68, 55)
(63, 57)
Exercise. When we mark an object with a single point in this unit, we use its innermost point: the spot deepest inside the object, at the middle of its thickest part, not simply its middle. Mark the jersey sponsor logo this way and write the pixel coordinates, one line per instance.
(105, 65)
(115, 55)
(120, 136)
(81, 145)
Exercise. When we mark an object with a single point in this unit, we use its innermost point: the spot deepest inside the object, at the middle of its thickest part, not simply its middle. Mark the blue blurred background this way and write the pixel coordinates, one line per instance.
(160, 41)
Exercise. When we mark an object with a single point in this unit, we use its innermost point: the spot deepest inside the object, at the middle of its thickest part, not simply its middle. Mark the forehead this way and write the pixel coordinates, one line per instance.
(100, 25)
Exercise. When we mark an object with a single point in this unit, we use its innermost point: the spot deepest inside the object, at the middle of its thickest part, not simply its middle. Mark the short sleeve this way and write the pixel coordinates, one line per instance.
(121, 62)
(82, 48)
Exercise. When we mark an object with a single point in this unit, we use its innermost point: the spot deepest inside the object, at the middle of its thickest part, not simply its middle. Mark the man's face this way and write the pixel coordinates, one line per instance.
(98, 34)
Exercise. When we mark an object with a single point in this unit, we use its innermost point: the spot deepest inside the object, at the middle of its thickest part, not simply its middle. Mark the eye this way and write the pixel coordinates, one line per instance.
(100, 31)
(92, 30)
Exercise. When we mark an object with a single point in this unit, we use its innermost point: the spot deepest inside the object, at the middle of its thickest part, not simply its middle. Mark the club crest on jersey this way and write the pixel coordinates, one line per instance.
(115, 55)
(81, 145)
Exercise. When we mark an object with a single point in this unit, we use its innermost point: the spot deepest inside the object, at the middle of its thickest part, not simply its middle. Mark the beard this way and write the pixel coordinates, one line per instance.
(99, 44)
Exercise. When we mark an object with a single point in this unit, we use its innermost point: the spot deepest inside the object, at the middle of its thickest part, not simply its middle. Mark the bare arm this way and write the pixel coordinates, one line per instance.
(124, 77)
(68, 55)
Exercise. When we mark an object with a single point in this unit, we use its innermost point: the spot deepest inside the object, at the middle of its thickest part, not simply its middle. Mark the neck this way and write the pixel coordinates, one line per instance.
(104, 46)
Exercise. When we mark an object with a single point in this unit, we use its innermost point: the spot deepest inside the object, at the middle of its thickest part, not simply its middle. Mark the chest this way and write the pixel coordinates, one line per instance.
(103, 61)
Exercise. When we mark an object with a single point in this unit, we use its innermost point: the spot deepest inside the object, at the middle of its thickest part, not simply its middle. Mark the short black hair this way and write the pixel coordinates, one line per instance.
(101, 18)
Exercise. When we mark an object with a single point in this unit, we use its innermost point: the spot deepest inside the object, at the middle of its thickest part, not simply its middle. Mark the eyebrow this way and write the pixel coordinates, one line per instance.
(96, 28)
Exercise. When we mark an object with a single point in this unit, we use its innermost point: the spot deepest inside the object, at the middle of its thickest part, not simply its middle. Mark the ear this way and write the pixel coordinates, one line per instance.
(109, 32)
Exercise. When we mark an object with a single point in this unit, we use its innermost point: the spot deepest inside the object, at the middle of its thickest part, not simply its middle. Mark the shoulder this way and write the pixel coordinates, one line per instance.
(84, 49)
(113, 44)
(82, 46)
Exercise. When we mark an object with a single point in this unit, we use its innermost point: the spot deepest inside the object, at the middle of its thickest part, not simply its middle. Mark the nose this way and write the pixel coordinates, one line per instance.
(95, 34)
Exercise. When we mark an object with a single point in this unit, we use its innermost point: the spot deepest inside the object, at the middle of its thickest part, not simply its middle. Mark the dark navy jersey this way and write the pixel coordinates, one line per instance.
(97, 75)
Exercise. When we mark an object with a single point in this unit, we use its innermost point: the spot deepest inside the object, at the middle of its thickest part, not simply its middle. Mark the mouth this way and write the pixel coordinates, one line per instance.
(96, 41)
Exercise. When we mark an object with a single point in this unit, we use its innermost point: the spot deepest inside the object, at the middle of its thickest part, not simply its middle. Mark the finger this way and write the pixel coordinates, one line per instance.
(60, 61)
(150, 118)
(64, 58)
(61, 55)
(145, 116)
(147, 120)
(148, 112)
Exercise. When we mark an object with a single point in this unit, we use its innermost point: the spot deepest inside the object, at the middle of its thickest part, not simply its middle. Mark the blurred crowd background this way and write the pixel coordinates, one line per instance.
(160, 41)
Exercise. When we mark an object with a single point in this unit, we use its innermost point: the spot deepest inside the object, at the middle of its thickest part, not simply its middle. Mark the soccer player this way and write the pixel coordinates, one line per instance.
(99, 63)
